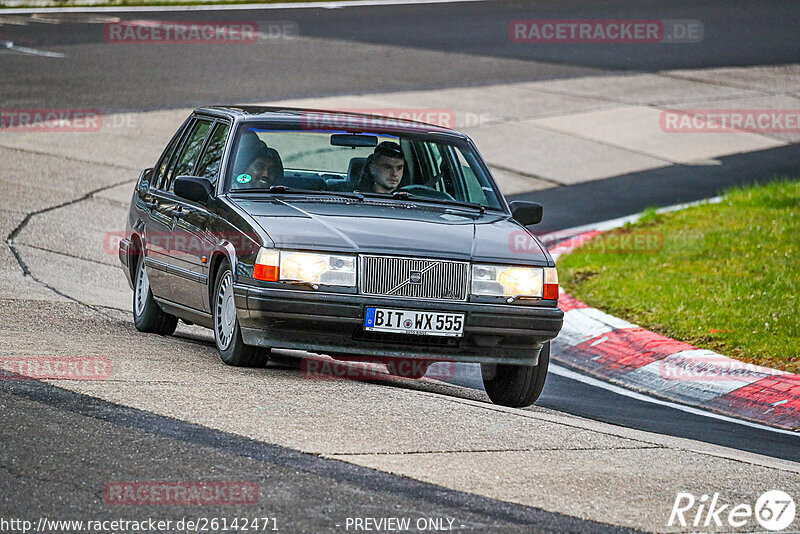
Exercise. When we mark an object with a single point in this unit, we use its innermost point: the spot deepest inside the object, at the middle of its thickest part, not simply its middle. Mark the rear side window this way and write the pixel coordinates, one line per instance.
(212, 155)
(161, 167)
(189, 152)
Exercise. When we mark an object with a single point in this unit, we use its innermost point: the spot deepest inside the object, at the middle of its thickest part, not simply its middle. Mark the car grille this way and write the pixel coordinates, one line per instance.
(414, 278)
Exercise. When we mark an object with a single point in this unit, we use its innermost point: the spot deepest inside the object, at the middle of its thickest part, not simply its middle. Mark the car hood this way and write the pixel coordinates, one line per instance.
(395, 228)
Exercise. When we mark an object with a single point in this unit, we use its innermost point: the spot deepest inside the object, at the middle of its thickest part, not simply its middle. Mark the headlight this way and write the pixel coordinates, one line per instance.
(507, 281)
(323, 269)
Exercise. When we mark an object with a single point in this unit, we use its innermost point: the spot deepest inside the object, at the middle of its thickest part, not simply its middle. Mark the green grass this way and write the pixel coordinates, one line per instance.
(721, 276)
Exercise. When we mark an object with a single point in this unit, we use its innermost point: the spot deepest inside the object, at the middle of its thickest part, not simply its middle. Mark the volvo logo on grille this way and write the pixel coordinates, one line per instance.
(415, 277)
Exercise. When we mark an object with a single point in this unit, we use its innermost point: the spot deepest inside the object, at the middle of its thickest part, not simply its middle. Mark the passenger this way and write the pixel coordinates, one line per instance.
(383, 170)
(264, 167)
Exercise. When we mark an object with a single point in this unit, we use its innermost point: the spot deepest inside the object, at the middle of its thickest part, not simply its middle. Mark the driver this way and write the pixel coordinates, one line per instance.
(266, 169)
(264, 166)
(384, 169)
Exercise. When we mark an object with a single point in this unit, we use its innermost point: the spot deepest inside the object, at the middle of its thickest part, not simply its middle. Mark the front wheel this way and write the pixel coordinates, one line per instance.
(516, 386)
(227, 333)
(147, 316)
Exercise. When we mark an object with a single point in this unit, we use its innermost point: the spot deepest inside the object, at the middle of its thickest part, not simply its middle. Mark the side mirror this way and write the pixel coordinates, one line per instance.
(527, 213)
(194, 188)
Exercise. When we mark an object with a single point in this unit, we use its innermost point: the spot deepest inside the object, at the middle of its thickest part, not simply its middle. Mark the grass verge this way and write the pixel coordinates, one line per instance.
(725, 276)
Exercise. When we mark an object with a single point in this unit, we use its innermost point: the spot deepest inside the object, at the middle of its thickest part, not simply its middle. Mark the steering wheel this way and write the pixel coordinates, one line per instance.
(426, 191)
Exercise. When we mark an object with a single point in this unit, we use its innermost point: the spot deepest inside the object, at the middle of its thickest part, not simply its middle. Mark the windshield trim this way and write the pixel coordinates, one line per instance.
(426, 202)
(411, 197)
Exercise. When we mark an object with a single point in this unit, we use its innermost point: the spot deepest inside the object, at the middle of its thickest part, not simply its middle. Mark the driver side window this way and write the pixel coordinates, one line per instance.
(161, 168)
(189, 153)
(212, 155)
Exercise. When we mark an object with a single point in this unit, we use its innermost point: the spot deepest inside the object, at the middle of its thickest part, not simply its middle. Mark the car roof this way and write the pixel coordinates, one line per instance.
(321, 119)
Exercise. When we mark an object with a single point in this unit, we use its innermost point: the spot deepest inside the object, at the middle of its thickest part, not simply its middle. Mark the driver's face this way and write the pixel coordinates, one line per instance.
(263, 170)
(387, 172)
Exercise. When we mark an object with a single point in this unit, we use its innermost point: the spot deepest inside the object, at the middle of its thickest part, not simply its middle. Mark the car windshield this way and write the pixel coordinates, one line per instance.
(405, 167)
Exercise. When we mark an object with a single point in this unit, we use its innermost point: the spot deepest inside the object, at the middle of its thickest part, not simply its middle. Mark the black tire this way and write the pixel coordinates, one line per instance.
(516, 386)
(227, 334)
(407, 367)
(147, 315)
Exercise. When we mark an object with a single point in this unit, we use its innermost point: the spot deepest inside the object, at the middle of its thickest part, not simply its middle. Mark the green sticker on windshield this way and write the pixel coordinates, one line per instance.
(243, 178)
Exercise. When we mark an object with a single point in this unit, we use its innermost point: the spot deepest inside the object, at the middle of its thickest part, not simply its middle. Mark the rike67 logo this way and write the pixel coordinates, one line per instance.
(774, 511)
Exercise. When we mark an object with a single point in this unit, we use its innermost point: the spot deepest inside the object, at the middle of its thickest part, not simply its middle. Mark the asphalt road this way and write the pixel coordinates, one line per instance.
(603, 200)
(572, 396)
(351, 51)
(97, 443)
(443, 45)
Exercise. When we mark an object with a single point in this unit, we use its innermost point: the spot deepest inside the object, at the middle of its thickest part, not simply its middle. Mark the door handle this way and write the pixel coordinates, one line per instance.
(180, 211)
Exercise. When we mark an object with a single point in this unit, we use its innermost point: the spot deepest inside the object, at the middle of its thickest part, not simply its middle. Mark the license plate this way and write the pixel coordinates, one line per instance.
(421, 323)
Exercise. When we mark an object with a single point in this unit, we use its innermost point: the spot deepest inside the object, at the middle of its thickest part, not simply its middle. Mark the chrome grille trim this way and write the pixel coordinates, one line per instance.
(389, 276)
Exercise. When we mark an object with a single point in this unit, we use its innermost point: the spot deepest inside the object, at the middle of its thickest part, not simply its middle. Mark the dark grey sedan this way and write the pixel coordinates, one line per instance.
(357, 236)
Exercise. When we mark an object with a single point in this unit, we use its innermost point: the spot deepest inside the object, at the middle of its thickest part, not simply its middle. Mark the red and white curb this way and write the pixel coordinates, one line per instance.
(623, 353)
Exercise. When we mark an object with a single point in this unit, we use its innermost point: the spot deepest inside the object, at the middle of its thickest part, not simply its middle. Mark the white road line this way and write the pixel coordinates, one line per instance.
(572, 375)
(231, 7)
(9, 45)
(473, 383)
(604, 226)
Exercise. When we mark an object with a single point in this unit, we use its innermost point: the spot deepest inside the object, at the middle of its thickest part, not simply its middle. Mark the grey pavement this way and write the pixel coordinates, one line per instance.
(75, 446)
(425, 430)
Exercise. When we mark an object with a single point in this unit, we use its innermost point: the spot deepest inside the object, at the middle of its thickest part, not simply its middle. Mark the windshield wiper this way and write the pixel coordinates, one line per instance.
(283, 190)
(397, 195)
(405, 195)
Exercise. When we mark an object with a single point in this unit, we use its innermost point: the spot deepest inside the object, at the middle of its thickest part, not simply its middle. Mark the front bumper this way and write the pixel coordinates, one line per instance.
(124, 258)
(333, 323)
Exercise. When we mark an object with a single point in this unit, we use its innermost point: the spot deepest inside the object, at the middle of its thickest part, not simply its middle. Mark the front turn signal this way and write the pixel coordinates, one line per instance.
(267, 265)
(550, 283)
